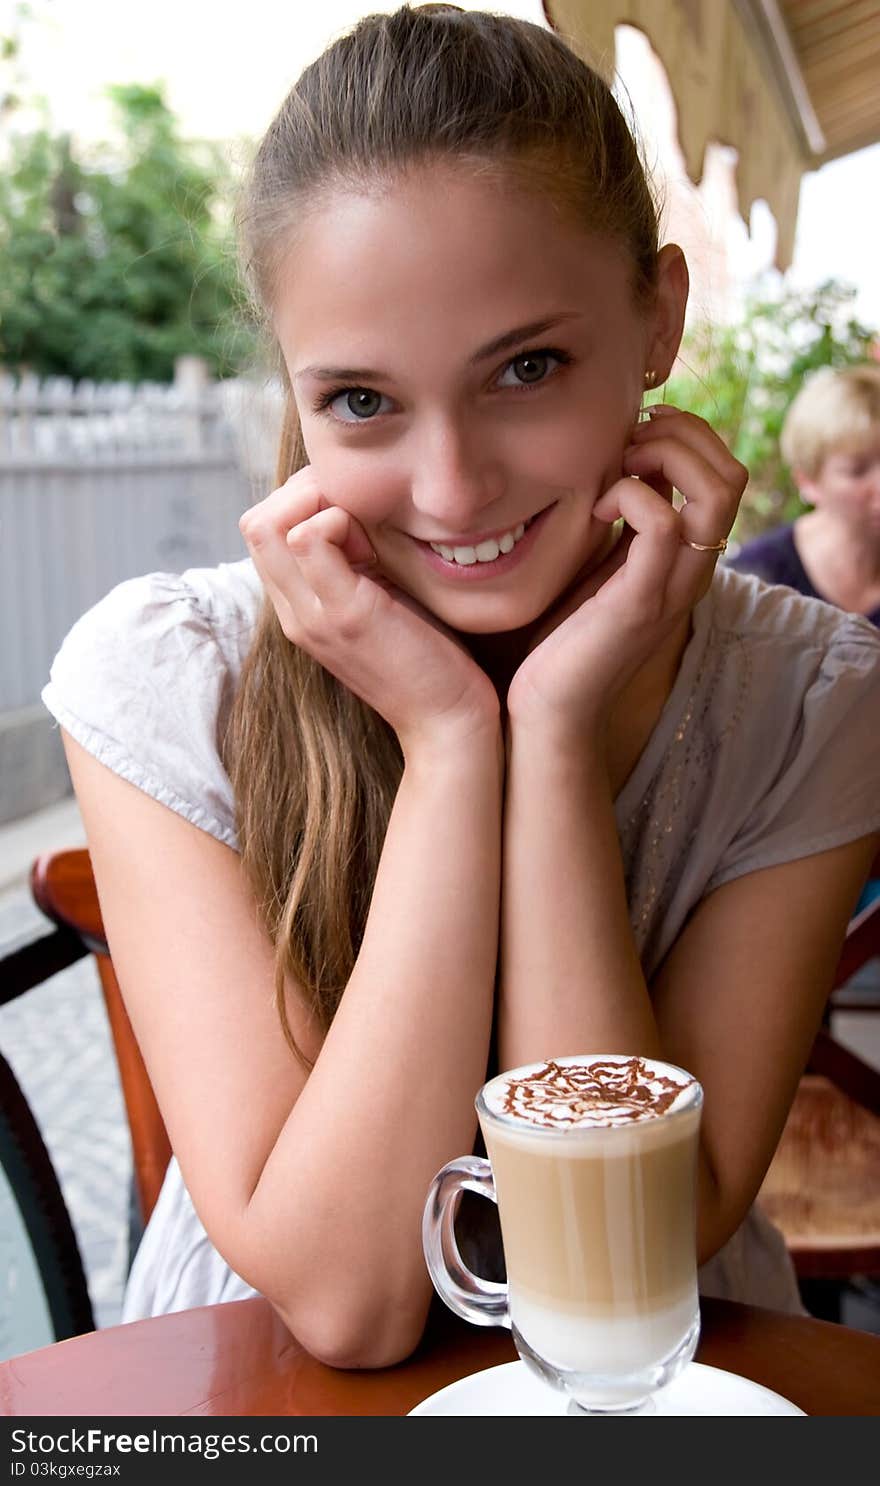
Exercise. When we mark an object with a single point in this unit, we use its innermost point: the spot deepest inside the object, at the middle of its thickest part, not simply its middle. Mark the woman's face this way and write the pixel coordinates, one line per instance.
(463, 359)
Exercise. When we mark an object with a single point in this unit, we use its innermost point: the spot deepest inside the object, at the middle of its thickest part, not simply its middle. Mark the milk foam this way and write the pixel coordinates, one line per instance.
(588, 1092)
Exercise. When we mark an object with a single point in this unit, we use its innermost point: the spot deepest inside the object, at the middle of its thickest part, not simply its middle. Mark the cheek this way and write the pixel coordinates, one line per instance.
(847, 494)
(366, 483)
(572, 452)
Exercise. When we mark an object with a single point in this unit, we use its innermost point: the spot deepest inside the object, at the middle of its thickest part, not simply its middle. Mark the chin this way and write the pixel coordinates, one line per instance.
(493, 618)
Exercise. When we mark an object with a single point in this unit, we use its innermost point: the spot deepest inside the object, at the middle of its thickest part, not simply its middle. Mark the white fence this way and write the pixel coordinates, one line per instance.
(101, 483)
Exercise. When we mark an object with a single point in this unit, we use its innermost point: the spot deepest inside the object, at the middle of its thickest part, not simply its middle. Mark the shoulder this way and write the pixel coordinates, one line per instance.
(145, 678)
(790, 699)
(220, 599)
(789, 683)
(788, 632)
(160, 618)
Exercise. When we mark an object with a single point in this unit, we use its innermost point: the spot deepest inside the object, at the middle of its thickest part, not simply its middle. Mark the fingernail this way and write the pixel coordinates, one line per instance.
(659, 408)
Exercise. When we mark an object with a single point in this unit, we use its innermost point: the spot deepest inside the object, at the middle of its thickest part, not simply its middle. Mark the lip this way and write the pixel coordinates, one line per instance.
(484, 571)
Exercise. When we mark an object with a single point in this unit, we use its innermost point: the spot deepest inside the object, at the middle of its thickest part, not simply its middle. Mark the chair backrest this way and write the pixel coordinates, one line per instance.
(63, 887)
(823, 1186)
(44, 1295)
(862, 941)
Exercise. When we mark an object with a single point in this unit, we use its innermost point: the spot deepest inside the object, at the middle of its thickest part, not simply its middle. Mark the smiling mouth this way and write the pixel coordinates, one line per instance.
(467, 553)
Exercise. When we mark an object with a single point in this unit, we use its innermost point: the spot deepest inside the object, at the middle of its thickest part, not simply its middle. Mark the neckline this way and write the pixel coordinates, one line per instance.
(810, 589)
(633, 791)
(806, 583)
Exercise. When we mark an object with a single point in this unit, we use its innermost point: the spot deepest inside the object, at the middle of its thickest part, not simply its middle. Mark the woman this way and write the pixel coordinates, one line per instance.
(477, 734)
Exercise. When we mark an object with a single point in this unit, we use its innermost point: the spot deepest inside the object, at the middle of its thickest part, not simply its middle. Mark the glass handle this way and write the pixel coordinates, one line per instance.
(482, 1302)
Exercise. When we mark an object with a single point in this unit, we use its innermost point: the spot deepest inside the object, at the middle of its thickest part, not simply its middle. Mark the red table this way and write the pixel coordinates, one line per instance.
(238, 1359)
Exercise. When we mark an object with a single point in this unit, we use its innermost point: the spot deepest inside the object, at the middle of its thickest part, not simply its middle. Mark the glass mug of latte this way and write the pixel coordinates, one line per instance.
(593, 1165)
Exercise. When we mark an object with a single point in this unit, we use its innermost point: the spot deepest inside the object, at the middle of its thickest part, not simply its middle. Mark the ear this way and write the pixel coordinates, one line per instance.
(667, 325)
(807, 488)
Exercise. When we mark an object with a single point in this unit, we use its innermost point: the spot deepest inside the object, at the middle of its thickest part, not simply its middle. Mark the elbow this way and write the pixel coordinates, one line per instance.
(349, 1337)
(720, 1212)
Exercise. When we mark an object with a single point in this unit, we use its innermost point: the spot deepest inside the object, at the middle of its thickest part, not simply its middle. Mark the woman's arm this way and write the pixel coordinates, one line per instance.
(600, 658)
(737, 1001)
(571, 980)
(740, 995)
(312, 1187)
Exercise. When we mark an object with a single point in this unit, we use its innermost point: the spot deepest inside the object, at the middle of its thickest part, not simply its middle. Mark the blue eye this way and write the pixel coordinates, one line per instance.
(531, 367)
(361, 403)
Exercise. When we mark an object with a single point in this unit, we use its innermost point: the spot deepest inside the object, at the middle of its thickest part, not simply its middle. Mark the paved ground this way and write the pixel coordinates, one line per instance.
(58, 1042)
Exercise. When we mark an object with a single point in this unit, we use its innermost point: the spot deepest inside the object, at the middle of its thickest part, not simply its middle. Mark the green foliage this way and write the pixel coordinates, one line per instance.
(110, 270)
(742, 378)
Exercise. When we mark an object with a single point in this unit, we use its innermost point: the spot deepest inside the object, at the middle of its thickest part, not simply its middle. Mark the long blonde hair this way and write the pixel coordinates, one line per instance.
(314, 769)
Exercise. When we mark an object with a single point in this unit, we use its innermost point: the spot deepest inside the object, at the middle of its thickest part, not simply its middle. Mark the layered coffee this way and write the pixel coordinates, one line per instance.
(594, 1163)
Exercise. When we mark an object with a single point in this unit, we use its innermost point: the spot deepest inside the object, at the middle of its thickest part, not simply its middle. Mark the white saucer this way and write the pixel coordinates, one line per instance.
(513, 1389)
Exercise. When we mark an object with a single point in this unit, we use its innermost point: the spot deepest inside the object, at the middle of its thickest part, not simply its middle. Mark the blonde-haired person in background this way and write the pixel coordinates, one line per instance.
(831, 443)
(477, 757)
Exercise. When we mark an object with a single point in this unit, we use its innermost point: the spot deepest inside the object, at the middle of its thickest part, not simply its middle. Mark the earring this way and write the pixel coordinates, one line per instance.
(650, 378)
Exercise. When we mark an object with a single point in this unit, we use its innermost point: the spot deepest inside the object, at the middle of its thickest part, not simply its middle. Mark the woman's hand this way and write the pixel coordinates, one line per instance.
(607, 626)
(320, 572)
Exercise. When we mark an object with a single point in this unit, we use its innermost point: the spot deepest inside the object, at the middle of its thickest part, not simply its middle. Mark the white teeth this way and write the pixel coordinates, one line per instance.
(483, 552)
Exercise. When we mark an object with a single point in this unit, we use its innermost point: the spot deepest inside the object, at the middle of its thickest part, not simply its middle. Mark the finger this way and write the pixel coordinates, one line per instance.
(289, 509)
(710, 501)
(264, 529)
(320, 546)
(296, 500)
(338, 526)
(694, 431)
(654, 546)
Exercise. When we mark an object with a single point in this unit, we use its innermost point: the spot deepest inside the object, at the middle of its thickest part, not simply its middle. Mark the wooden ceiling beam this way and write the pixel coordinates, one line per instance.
(765, 20)
(808, 24)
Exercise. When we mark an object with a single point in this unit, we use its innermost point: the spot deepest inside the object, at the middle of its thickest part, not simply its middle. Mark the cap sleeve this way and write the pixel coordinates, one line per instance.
(827, 790)
(140, 683)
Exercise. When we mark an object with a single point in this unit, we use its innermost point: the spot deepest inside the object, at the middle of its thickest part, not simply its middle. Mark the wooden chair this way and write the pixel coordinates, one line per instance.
(823, 1186)
(63, 887)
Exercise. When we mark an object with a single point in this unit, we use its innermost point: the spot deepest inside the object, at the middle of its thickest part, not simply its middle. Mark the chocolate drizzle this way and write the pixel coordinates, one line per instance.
(603, 1092)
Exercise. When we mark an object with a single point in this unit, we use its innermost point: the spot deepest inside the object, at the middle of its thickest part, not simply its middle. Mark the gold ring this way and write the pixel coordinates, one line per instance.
(706, 546)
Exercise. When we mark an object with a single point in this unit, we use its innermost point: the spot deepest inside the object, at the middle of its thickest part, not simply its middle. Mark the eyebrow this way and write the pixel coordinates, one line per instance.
(494, 347)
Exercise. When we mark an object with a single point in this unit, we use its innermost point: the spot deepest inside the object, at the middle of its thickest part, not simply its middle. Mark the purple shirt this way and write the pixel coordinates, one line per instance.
(774, 557)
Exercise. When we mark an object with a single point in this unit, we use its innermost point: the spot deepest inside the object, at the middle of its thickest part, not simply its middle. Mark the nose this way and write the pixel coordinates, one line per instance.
(456, 477)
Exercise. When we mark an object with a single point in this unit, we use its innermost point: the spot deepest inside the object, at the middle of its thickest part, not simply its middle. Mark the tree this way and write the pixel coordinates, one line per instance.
(110, 268)
(742, 377)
